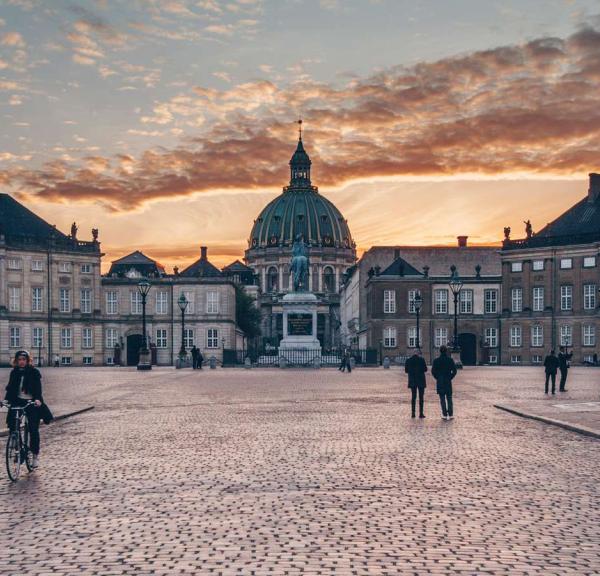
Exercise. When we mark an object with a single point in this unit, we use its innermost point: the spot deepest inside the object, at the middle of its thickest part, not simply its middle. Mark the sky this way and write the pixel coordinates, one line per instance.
(169, 124)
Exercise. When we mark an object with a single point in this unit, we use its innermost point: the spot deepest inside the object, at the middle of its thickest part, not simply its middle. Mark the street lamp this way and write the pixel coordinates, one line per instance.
(182, 302)
(418, 304)
(455, 286)
(144, 362)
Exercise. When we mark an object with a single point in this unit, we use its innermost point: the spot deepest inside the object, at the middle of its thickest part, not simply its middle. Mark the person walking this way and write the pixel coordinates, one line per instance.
(194, 352)
(416, 368)
(564, 358)
(199, 359)
(444, 371)
(551, 366)
(345, 361)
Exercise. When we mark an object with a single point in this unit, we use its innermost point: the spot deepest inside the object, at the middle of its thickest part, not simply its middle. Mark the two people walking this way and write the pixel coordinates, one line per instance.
(554, 364)
(345, 361)
(443, 370)
(197, 358)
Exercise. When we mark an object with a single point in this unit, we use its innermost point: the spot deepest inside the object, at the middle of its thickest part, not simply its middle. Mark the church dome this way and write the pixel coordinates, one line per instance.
(300, 209)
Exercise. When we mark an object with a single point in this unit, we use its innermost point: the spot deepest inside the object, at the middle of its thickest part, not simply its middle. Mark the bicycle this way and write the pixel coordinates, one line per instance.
(17, 445)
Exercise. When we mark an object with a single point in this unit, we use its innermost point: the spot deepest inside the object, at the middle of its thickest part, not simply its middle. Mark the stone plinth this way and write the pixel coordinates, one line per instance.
(300, 344)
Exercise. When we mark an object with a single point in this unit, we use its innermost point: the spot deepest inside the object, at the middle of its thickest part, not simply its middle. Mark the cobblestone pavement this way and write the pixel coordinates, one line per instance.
(302, 472)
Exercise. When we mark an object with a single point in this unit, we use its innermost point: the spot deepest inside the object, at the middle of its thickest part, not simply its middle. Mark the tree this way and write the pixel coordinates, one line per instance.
(247, 315)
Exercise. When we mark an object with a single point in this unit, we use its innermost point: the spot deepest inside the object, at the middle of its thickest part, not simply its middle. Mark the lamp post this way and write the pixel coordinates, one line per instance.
(418, 303)
(455, 286)
(144, 362)
(182, 302)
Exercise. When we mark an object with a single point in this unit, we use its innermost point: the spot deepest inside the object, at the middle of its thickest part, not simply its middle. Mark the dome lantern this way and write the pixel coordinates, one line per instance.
(300, 163)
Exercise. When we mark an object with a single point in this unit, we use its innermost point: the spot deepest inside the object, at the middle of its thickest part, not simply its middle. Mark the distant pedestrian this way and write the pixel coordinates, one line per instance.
(564, 360)
(416, 367)
(199, 360)
(444, 371)
(56, 360)
(194, 352)
(551, 366)
(345, 361)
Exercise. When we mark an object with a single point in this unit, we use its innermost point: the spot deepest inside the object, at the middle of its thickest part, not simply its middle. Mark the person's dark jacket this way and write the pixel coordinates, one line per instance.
(443, 370)
(416, 367)
(563, 361)
(32, 384)
(551, 364)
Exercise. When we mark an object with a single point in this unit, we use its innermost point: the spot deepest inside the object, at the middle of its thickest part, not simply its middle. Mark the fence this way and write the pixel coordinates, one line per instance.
(297, 357)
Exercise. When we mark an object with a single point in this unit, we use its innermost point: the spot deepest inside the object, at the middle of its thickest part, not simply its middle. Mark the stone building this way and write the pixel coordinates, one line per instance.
(55, 302)
(300, 209)
(551, 281)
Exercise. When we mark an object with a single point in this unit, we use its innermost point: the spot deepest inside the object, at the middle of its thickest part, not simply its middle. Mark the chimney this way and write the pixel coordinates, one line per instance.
(462, 241)
(396, 253)
(594, 189)
(203, 251)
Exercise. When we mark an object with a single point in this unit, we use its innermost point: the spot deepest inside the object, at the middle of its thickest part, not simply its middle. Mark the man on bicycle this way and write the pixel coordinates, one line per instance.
(24, 385)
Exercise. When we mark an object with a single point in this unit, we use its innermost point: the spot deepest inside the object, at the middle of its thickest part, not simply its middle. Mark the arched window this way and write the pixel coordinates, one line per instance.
(272, 279)
(328, 279)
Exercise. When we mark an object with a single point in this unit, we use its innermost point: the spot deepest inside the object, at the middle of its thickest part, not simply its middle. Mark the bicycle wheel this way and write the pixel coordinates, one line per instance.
(26, 453)
(13, 456)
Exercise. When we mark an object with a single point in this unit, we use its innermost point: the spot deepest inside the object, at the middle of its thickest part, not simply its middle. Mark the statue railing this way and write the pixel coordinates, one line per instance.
(544, 241)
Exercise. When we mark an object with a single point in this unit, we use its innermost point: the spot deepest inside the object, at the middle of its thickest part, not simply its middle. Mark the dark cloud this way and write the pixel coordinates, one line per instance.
(533, 107)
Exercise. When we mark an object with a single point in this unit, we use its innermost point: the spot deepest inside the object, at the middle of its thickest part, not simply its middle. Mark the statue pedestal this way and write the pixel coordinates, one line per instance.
(300, 346)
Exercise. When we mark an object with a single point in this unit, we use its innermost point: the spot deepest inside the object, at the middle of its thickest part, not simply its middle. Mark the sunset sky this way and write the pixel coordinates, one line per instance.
(169, 124)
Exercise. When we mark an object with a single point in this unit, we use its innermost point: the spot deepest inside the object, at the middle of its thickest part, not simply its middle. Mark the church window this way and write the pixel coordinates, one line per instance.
(329, 279)
(272, 279)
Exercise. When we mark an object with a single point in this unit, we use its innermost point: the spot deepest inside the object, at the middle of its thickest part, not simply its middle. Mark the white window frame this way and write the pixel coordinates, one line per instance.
(37, 337)
(66, 338)
(537, 358)
(411, 336)
(64, 267)
(490, 301)
(112, 302)
(189, 296)
(537, 265)
(161, 338)
(66, 360)
(412, 294)
(64, 300)
(589, 296)
(589, 261)
(37, 265)
(566, 335)
(537, 299)
(516, 336)
(566, 297)
(390, 337)
(87, 337)
(136, 302)
(566, 263)
(188, 337)
(14, 264)
(88, 360)
(14, 298)
(465, 301)
(588, 334)
(491, 337)
(515, 358)
(212, 338)
(516, 299)
(37, 299)
(86, 268)
(537, 336)
(162, 302)
(15, 337)
(516, 266)
(85, 300)
(111, 337)
(212, 302)
(440, 337)
(440, 297)
(389, 301)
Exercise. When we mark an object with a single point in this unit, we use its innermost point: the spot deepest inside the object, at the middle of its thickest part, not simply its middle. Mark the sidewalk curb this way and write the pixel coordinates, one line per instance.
(4, 433)
(553, 422)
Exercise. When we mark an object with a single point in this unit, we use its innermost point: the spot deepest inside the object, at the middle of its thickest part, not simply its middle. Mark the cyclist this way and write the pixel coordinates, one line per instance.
(24, 385)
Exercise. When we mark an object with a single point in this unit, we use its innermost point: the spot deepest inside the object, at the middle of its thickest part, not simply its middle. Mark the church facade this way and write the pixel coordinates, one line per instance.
(300, 211)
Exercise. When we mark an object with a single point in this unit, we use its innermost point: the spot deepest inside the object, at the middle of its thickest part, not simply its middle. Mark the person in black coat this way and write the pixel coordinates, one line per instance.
(194, 357)
(416, 368)
(199, 359)
(551, 366)
(444, 371)
(24, 385)
(563, 365)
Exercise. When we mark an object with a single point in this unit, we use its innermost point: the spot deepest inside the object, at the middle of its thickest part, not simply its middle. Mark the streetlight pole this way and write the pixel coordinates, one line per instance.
(455, 286)
(418, 303)
(144, 362)
(182, 302)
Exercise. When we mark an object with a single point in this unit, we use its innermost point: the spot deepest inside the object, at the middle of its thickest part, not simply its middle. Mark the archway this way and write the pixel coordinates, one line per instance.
(134, 343)
(468, 349)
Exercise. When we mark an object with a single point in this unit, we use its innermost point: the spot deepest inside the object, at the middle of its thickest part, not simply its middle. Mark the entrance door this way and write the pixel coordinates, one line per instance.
(468, 349)
(134, 343)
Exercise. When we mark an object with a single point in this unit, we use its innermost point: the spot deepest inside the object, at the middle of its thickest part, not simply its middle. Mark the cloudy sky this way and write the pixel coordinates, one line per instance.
(168, 124)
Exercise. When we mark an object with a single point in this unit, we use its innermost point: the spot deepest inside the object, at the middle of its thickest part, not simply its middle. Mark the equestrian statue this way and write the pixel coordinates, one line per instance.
(299, 264)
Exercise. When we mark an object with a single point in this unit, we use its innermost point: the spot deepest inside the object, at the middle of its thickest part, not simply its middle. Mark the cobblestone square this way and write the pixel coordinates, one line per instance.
(302, 472)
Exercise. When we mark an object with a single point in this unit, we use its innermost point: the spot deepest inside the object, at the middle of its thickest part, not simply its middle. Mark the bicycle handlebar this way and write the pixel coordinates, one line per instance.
(4, 403)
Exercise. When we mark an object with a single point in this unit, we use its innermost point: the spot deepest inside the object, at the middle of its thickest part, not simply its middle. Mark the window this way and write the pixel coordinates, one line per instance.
(538, 299)
(162, 302)
(86, 268)
(161, 338)
(412, 336)
(329, 279)
(212, 302)
(37, 265)
(188, 337)
(515, 336)
(537, 265)
(212, 338)
(490, 301)
(517, 299)
(112, 303)
(491, 337)
(15, 337)
(516, 267)
(189, 296)
(412, 294)
(86, 301)
(566, 263)
(589, 296)
(441, 301)
(36, 300)
(389, 301)
(566, 335)
(14, 298)
(493, 359)
(465, 305)
(589, 335)
(65, 360)
(537, 359)
(515, 359)
(272, 279)
(64, 266)
(537, 336)
(389, 337)
(87, 338)
(136, 302)
(13, 264)
(66, 337)
(566, 297)
(88, 360)
(588, 359)
(589, 262)
(440, 337)
(65, 299)
(112, 337)
(37, 337)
